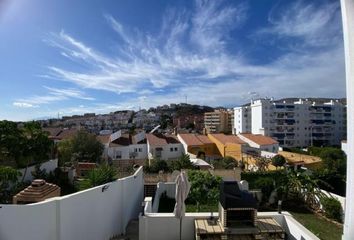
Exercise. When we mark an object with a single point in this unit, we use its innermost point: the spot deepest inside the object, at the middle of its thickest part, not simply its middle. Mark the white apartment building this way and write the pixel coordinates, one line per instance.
(294, 122)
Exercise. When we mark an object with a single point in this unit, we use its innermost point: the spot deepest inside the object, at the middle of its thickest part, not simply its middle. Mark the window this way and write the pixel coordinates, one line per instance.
(171, 149)
(118, 155)
(135, 150)
(140, 150)
(176, 149)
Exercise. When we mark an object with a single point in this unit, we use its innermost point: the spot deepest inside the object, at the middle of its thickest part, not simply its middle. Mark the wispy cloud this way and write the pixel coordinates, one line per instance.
(190, 55)
(53, 95)
(316, 26)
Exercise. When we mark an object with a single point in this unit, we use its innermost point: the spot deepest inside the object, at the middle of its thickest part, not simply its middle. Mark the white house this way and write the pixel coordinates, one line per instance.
(164, 147)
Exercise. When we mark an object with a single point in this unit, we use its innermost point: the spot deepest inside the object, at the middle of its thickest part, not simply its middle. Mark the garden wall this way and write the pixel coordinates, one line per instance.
(96, 213)
(49, 166)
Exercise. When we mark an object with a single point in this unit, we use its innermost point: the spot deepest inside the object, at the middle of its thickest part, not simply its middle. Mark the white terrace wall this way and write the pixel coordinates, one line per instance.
(49, 166)
(161, 226)
(96, 213)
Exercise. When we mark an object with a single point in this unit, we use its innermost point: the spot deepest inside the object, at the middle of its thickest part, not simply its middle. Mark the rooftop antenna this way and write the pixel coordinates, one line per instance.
(186, 97)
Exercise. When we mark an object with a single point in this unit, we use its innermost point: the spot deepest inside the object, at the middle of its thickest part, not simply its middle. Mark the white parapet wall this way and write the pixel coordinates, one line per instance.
(161, 226)
(97, 213)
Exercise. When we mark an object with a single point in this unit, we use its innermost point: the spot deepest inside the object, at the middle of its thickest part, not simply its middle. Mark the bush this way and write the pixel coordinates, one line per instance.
(266, 184)
(156, 165)
(225, 163)
(332, 208)
(278, 160)
(252, 177)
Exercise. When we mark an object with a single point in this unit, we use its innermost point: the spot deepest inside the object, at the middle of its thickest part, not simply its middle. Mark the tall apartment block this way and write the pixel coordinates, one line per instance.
(219, 121)
(294, 122)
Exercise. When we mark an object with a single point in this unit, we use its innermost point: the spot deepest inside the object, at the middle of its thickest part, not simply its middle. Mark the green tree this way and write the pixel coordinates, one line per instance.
(157, 165)
(83, 147)
(183, 162)
(37, 146)
(334, 160)
(11, 143)
(98, 176)
(8, 177)
(278, 160)
(299, 185)
(204, 187)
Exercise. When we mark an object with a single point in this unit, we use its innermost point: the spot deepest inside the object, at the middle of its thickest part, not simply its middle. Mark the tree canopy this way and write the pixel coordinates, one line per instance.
(83, 147)
(25, 145)
(278, 160)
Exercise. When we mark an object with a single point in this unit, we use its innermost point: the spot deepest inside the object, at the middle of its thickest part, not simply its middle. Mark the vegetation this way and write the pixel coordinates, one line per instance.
(278, 161)
(23, 146)
(262, 163)
(98, 176)
(204, 188)
(8, 179)
(156, 165)
(225, 163)
(332, 208)
(319, 226)
(83, 147)
(183, 162)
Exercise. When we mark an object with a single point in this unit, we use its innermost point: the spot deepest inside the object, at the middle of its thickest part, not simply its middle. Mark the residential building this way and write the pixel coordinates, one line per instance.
(295, 122)
(218, 121)
(199, 146)
(242, 119)
(195, 121)
(164, 147)
(228, 145)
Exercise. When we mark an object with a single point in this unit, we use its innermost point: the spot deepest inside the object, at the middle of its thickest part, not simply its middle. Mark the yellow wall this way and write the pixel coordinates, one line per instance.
(208, 149)
(229, 149)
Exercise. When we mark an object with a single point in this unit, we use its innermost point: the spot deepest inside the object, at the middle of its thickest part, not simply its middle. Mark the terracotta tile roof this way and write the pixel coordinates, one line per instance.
(204, 139)
(160, 139)
(67, 133)
(104, 139)
(53, 132)
(194, 139)
(125, 140)
(259, 139)
(227, 138)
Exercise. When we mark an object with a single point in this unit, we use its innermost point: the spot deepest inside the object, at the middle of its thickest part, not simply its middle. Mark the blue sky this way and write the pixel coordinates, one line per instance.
(71, 57)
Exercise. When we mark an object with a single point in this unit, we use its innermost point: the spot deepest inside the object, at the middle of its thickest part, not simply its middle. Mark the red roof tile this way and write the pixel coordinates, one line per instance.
(259, 139)
(227, 138)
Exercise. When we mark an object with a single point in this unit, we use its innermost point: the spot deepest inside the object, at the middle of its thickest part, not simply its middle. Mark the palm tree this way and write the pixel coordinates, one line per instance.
(98, 176)
(300, 185)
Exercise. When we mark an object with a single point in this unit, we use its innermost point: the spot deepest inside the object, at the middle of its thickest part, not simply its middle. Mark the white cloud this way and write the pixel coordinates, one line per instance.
(23, 105)
(53, 95)
(190, 56)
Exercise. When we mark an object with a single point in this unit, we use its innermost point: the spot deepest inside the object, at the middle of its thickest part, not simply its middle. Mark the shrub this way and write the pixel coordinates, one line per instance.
(278, 160)
(332, 208)
(156, 165)
(266, 184)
